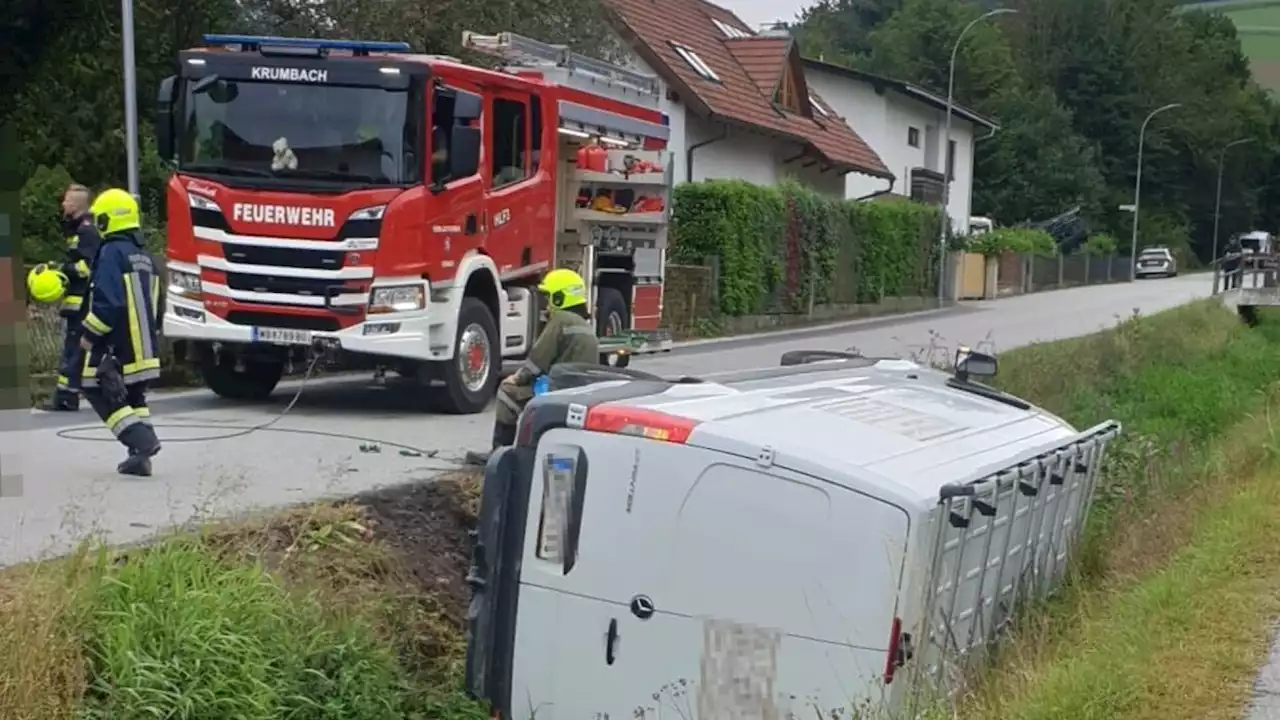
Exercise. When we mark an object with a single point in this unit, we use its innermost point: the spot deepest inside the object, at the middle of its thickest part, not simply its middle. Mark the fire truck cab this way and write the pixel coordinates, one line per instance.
(388, 210)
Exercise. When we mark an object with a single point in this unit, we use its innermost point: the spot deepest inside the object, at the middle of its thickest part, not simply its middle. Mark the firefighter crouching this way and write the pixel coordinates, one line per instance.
(82, 247)
(119, 330)
(567, 338)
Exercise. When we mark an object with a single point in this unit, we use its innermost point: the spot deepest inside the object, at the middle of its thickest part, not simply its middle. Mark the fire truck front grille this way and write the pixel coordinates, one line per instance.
(292, 322)
(288, 285)
(284, 257)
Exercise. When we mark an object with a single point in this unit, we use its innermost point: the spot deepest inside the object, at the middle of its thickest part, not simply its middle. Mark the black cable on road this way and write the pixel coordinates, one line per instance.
(79, 433)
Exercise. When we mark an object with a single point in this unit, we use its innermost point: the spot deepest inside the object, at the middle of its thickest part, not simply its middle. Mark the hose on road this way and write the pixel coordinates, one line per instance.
(92, 433)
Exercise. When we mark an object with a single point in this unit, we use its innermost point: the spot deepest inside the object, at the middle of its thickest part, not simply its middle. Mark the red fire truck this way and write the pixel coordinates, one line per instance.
(395, 211)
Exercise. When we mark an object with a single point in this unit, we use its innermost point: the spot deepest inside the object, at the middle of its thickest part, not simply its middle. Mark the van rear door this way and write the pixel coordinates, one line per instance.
(678, 580)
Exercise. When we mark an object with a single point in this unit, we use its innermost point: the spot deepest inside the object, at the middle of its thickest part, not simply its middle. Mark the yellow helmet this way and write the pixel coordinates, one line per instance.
(565, 288)
(45, 284)
(115, 211)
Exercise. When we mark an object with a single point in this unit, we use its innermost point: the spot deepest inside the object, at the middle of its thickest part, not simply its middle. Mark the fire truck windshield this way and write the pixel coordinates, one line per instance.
(327, 133)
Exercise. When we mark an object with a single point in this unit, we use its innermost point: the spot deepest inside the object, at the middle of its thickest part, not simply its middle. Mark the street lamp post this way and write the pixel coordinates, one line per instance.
(1137, 190)
(130, 96)
(1217, 203)
(945, 223)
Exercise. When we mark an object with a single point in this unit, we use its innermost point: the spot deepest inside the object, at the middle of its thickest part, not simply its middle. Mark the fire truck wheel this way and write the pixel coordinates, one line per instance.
(611, 312)
(256, 382)
(471, 378)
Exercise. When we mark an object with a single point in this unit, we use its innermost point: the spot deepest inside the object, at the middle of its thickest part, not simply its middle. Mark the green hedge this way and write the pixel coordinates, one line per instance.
(778, 246)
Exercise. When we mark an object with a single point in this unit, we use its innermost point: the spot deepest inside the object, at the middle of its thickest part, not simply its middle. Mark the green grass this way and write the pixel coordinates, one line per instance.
(308, 615)
(1168, 615)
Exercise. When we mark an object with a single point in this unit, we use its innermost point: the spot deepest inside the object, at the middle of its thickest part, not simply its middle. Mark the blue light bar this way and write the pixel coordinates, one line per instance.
(250, 43)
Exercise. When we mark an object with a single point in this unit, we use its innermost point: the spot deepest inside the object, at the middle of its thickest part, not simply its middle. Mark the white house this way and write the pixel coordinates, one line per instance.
(738, 103)
(905, 125)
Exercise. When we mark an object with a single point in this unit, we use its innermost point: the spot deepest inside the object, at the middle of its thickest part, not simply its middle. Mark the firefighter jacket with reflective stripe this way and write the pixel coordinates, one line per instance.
(123, 300)
(77, 264)
(567, 338)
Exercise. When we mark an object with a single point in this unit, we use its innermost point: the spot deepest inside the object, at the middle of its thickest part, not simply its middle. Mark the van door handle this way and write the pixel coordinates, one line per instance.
(470, 228)
(611, 639)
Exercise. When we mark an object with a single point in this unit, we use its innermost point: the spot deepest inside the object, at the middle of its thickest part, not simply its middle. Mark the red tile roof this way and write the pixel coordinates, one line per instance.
(748, 70)
(762, 57)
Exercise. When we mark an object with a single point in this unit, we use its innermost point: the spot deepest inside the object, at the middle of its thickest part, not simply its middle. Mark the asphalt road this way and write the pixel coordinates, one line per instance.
(71, 490)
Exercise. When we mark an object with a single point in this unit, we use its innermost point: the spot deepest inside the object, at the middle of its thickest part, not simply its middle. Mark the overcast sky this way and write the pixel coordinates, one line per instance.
(757, 12)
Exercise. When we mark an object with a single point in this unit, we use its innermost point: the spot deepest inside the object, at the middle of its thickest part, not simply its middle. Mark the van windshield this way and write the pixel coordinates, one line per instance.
(331, 133)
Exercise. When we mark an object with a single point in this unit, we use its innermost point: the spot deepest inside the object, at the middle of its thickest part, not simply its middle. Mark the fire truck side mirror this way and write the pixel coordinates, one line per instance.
(164, 118)
(464, 151)
(467, 106)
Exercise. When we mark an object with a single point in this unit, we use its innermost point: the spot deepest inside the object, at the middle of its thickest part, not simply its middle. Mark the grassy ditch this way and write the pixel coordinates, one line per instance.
(348, 612)
(1168, 615)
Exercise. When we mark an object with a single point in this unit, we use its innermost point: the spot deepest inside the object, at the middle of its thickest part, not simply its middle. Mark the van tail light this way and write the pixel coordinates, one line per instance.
(893, 660)
(640, 422)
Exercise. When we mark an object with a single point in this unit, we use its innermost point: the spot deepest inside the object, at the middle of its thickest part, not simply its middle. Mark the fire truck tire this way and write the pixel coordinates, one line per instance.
(612, 315)
(455, 397)
(256, 382)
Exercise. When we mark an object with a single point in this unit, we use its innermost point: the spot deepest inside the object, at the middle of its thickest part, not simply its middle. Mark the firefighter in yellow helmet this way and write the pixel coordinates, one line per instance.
(120, 339)
(568, 337)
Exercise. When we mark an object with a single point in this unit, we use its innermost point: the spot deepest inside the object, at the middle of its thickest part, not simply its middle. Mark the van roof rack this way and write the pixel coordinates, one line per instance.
(584, 71)
(804, 357)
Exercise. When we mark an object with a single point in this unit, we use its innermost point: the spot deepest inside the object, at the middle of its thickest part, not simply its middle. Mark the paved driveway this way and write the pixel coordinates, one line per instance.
(71, 488)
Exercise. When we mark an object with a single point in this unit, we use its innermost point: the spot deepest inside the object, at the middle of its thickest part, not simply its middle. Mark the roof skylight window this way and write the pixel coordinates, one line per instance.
(730, 31)
(817, 106)
(695, 62)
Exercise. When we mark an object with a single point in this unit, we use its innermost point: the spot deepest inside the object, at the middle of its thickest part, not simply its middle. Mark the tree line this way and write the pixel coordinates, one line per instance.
(1071, 82)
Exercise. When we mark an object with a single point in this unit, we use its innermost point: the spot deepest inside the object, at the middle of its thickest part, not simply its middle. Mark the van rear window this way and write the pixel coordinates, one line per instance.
(564, 479)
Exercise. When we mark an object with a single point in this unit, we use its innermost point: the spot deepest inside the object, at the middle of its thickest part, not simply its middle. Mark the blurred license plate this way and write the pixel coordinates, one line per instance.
(281, 336)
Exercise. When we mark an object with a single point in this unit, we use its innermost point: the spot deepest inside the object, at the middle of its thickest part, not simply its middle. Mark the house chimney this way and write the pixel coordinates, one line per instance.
(776, 28)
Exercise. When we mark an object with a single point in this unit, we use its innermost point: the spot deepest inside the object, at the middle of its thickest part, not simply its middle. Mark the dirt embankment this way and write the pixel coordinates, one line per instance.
(349, 611)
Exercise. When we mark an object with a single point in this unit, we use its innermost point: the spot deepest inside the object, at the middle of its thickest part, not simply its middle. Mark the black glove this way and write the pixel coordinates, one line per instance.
(111, 380)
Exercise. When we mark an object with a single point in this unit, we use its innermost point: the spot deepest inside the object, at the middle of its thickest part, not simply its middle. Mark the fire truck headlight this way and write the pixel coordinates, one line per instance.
(397, 298)
(369, 213)
(201, 202)
(184, 284)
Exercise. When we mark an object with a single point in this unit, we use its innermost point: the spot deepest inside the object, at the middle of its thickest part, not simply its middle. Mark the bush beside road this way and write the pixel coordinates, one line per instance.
(380, 595)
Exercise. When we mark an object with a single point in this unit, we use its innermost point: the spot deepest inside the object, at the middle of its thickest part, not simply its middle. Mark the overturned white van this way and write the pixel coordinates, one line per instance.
(836, 532)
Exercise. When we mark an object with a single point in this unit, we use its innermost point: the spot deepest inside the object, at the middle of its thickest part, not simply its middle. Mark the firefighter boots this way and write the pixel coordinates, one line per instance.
(143, 445)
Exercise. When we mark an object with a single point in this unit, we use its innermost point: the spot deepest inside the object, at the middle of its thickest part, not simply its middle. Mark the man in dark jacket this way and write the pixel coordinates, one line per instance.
(568, 337)
(120, 337)
(82, 242)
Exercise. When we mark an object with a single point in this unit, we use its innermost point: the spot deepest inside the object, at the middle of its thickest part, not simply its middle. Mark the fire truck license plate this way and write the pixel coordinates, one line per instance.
(281, 336)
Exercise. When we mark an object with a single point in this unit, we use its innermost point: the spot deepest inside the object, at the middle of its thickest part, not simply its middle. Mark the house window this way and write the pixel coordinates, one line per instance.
(788, 95)
(696, 62)
(817, 106)
(951, 160)
(913, 137)
(730, 31)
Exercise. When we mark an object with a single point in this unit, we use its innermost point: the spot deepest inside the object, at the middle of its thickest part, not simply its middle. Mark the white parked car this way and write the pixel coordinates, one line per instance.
(1154, 261)
(783, 542)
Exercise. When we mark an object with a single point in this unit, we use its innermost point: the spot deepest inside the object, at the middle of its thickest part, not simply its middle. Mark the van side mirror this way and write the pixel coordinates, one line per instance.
(464, 151)
(974, 364)
(164, 118)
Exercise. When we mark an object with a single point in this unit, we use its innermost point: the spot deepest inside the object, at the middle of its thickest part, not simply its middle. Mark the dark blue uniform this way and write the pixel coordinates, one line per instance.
(81, 251)
(120, 322)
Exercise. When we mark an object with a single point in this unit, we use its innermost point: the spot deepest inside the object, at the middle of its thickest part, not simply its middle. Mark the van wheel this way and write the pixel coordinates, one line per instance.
(612, 316)
(471, 378)
(256, 382)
